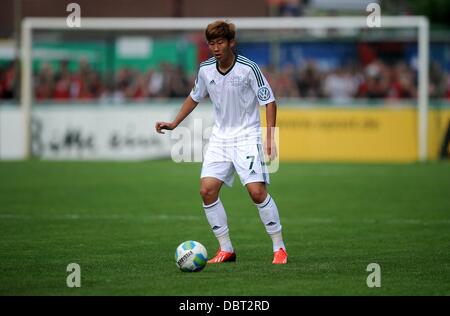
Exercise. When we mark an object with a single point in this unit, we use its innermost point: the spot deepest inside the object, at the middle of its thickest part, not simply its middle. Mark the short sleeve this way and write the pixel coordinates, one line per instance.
(199, 91)
(260, 86)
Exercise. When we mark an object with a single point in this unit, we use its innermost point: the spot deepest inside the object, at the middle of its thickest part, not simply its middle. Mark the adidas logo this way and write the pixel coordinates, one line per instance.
(216, 227)
(271, 224)
(253, 172)
(212, 82)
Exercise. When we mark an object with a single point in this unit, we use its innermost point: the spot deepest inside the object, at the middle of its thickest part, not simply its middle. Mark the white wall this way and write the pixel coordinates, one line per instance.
(95, 132)
(12, 138)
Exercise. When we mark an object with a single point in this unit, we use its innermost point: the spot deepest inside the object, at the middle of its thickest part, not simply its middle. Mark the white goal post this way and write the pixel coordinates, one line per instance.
(191, 24)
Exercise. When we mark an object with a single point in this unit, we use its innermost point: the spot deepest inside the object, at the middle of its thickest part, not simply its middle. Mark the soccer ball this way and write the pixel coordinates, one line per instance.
(191, 256)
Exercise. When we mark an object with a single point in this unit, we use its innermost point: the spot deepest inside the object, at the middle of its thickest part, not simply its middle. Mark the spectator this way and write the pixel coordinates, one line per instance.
(309, 81)
(339, 86)
(8, 81)
(284, 83)
(438, 81)
(63, 82)
(45, 83)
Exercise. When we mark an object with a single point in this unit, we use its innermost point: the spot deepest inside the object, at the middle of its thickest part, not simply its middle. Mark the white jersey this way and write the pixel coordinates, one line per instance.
(235, 95)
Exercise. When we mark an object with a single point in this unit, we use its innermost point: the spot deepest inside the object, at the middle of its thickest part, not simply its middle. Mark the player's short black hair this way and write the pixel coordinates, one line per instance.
(220, 29)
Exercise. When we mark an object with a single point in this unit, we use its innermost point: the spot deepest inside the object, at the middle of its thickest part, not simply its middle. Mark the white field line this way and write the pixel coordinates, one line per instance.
(171, 217)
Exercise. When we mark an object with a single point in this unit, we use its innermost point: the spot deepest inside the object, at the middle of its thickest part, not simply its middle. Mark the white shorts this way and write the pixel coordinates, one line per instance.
(247, 161)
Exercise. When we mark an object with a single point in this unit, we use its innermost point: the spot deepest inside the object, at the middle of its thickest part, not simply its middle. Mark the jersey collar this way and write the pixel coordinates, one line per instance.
(225, 73)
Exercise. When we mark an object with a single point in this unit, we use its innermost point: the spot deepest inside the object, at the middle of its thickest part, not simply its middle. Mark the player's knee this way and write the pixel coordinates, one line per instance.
(258, 195)
(208, 194)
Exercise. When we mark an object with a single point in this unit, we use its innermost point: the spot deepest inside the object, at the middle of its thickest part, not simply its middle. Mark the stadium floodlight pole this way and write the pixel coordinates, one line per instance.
(264, 23)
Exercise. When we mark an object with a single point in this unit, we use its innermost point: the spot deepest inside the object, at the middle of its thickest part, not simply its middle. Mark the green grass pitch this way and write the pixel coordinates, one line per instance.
(121, 222)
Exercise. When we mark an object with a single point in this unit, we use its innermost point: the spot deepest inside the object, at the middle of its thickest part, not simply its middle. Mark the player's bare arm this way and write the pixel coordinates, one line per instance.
(187, 107)
(271, 119)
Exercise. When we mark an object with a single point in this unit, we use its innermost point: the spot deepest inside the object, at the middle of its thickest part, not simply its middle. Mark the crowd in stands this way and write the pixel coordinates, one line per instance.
(168, 81)
(377, 80)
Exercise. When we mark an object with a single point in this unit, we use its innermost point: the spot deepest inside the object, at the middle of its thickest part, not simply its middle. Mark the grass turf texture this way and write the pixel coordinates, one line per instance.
(123, 221)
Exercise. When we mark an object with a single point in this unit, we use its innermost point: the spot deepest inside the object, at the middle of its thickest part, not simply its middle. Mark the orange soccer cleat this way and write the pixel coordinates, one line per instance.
(223, 256)
(280, 257)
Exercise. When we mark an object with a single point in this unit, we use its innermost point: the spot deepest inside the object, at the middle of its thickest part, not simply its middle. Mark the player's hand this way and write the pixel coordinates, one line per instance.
(160, 126)
(271, 149)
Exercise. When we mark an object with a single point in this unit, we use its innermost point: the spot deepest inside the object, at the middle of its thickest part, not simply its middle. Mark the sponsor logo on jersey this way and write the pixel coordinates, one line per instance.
(263, 94)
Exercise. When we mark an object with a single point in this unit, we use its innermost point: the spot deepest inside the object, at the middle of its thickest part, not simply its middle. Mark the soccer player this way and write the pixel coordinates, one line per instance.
(236, 88)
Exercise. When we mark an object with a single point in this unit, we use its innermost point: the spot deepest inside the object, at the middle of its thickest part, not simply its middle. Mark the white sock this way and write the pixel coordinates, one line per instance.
(268, 212)
(225, 243)
(217, 219)
(277, 240)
